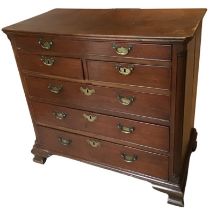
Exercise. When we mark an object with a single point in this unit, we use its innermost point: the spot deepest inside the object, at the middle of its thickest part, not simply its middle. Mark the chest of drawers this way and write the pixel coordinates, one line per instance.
(114, 88)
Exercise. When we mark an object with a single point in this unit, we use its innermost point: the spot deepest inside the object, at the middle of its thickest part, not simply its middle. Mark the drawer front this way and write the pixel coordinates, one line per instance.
(67, 46)
(128, 49)
(99, 98)
(98, 151)
(144, 134)
(129, 73)
(52, 65)
(42, 44)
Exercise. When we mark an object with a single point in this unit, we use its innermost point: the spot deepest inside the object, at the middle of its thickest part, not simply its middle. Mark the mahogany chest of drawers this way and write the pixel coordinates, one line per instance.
(114, 88)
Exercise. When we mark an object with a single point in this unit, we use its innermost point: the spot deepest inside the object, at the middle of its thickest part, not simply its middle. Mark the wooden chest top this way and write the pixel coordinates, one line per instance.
(115, 23)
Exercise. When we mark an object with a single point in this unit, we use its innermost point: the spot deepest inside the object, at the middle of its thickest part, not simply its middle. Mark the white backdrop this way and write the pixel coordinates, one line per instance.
(67, 184)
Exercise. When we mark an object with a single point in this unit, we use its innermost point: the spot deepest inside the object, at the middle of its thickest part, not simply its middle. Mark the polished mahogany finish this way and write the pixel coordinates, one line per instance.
(52, 65)
(115, 88)
(130, 73)
(66, 46)
(103, 152)
(103, 125)
(100, 98)
(114, 23)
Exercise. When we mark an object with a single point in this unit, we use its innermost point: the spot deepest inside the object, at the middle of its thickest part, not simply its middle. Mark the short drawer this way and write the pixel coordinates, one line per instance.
(130, 49)
(67, 46)
(137, 133)
(52, 65)
(103, 152)
(129, 73)
(101, 99)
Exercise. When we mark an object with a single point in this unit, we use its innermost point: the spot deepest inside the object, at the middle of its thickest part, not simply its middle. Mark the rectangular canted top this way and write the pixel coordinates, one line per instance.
(114, 23)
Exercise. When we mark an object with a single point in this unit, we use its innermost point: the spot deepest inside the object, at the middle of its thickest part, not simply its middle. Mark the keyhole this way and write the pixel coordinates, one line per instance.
(90, 117)
(46, 44)
(87, 91)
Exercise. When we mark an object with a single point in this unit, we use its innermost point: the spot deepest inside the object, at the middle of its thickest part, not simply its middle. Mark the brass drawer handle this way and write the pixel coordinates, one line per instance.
(125, 100)
(64, 142)
(125, 70)
(93, 143)
(125, 129)
(87, 91)
(129, 158)
(47, 61)
(122, 50)
(45, 44)
(60, 115)
(90, 118)
(55, 88)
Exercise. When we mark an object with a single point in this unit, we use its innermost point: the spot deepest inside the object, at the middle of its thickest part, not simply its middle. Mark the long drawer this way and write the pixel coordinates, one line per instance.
(52, 65)
(130, 73)
(131, 131)
(86, 96)
(102, 152)
(66, 46)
